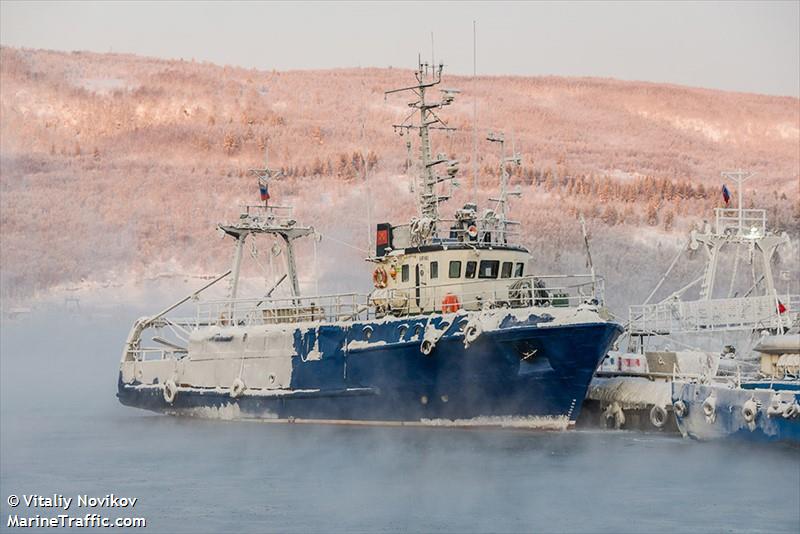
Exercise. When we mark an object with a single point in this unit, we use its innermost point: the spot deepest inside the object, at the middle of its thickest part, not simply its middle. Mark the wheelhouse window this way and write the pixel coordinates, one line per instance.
(404, 273)
(505, 272)
(519, 269)
(488, 269)
(455, 269)
(434, 269)
(472, 266)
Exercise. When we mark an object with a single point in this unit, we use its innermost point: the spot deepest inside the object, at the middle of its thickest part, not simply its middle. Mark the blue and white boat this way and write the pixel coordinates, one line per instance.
(766, 408)
(456, 332)
(703, 337)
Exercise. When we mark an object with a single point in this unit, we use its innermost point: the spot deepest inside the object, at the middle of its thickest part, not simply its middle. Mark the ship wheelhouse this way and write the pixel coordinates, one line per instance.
(468, 265)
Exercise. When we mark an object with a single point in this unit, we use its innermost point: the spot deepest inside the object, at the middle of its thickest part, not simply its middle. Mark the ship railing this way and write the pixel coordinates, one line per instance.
(453, 231)
(743, 313)
(154, 354)
(559, 291)
(541, 290)
(259, 215)
(255, 311)
(792, 303)
(278, 212)
(743, 222)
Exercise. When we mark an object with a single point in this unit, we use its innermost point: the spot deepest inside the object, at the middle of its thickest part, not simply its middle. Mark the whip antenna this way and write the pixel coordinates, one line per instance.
(474, 115)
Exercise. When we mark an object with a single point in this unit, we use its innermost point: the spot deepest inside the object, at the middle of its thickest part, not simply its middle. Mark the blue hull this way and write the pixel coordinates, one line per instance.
(518, 369)
(728, 420)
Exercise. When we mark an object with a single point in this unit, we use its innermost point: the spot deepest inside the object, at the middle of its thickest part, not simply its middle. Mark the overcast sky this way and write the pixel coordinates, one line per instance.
(740, 46)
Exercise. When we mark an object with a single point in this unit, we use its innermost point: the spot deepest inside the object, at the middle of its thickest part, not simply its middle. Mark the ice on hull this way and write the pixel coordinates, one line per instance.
(759, 414)
(495, 377)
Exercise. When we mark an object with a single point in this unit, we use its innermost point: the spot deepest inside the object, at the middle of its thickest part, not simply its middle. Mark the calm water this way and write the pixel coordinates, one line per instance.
(63, 432)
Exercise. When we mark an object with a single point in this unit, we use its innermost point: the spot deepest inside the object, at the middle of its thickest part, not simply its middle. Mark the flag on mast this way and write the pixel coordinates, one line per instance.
(726, 195)
(264, 190)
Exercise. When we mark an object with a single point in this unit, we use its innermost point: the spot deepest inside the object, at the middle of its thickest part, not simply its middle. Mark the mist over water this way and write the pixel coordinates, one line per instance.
(62, 431)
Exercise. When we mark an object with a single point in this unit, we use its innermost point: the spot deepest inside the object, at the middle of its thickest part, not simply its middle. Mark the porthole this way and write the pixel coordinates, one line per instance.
(367, 332)
(402, 329)
(271, 379)
(418, 330)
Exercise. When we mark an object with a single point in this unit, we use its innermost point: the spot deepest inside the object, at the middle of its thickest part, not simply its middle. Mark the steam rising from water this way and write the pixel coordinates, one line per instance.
(64, 432)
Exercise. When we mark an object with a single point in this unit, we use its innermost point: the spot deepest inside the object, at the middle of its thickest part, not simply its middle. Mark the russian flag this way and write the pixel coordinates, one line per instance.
(726, 195)
(264, 190)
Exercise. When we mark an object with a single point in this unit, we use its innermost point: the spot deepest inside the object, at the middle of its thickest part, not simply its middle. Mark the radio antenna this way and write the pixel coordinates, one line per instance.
(474, 115)
(433, 57)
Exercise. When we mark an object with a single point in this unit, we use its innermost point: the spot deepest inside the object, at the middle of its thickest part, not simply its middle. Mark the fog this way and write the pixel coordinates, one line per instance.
(64, 432)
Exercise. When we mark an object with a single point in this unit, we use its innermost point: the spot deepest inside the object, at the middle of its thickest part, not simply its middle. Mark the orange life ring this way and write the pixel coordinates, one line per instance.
(450, 303)
(379, 277)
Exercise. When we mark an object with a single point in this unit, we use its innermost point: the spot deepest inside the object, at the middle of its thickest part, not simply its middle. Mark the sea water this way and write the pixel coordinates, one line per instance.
(64, 434)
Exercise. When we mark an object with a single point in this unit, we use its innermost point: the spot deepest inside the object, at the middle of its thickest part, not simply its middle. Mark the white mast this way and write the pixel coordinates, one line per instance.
(740, 177)
(736, 228)
(427, 197)
(502, 200)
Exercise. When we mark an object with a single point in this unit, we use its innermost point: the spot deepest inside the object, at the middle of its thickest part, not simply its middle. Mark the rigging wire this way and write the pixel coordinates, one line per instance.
(354, 247)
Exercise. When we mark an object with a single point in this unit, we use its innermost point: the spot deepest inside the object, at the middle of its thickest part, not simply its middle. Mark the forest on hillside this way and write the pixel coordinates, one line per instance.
(115, 165)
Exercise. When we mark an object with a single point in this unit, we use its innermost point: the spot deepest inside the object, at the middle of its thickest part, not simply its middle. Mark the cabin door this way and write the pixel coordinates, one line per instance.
(422, 294)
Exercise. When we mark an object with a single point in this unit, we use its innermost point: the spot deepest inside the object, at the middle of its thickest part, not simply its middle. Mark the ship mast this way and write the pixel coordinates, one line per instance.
(265, 219)
(515, 159)
(741, 229)
(428, 198)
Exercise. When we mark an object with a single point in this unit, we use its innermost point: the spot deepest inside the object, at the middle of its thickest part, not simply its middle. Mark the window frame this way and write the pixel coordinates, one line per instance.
(433, 270)
(405, 272)
(495, 271)
(474, 265)
(519, 269)
(503, 273)
(457, 265)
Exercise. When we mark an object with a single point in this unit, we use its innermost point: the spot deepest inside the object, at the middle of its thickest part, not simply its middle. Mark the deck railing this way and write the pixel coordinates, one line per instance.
(452, 231)
(339, 307)
(744, 222)
(543, 291)
(743, 313)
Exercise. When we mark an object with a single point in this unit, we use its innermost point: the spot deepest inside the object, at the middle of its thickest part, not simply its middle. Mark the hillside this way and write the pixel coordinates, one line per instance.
(116, 165)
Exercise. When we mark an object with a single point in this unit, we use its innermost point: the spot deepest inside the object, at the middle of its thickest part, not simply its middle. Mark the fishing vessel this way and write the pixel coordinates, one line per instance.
(713, 335)
(457, 330)
(764, 408)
